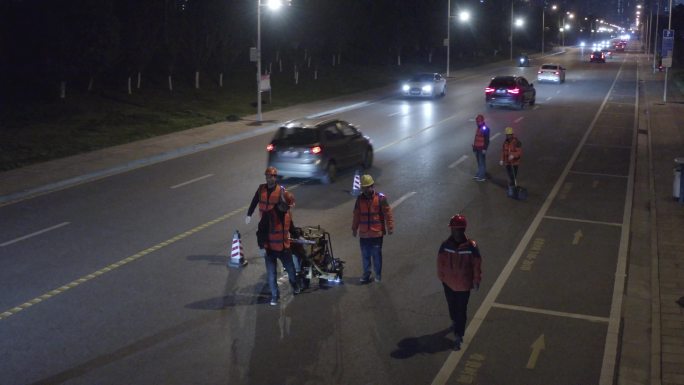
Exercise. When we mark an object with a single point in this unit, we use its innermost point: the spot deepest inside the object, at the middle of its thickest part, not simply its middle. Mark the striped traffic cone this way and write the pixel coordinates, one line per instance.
(356, 185)
(237, 255)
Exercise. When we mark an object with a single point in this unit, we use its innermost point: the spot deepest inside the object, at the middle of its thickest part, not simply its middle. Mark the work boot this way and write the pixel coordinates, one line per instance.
(457, 343)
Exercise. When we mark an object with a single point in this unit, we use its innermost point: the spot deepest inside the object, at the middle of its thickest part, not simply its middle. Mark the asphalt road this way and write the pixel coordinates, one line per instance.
(124, 279)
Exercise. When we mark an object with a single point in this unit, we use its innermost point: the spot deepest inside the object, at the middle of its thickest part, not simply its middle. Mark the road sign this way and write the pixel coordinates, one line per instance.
(668, 42)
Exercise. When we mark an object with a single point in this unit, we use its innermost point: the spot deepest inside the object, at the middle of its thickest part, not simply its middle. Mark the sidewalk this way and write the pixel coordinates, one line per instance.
(652, 346)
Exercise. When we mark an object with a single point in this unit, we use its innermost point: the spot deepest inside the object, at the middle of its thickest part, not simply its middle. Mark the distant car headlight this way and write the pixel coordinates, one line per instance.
(427, 88)
(405, 88)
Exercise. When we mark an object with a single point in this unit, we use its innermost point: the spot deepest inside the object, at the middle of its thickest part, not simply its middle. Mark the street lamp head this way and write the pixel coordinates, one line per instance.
(519, 22)
(554, 7)
(274, 5)
(464, 16)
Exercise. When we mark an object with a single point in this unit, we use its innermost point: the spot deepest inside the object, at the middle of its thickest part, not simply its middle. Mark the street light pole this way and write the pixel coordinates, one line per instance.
(448, 40)
(258, 53)
(510, 38)
(543, 30)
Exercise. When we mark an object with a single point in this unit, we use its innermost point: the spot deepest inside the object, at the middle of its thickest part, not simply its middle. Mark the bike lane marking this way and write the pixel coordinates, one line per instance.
(612, 336)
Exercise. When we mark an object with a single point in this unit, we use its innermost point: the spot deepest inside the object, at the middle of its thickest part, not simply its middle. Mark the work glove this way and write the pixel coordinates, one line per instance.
(501, 163)
(511, 157)
(476, 286)
(248, 219)
(261, 252)
(354, 233)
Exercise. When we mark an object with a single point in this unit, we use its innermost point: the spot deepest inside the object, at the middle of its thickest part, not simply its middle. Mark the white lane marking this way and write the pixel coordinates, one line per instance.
(34, 234)
(394, 113)
(192, 181)
(519, 119)
(549, 98)
(341, 109)
(495, 136)
(459, 161)
(607, 145)
(551, 312)
(415, 133)
(611, 339)
(582, 221)
(403, 198)
(599, 174)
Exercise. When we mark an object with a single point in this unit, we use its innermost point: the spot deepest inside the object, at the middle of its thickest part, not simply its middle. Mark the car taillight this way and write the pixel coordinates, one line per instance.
(514, 91)
(489, 90)
(316, 149)
(270, 147)
(539, 72)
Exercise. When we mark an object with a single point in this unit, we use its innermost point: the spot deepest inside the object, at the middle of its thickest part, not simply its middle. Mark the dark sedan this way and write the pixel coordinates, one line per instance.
(315, 148)
(513, 91)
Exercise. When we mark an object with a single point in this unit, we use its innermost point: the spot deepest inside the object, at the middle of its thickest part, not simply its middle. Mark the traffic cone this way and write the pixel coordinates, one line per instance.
(237, 255)
(356, 185)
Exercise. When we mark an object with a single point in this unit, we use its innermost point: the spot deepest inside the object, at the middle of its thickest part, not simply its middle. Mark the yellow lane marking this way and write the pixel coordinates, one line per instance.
(116, 265)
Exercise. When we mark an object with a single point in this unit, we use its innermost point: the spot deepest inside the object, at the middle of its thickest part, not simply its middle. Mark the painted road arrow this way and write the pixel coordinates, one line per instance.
(537, 347)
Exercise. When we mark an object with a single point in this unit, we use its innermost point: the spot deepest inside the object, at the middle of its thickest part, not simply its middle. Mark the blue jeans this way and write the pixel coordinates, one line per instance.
(371, 248)
(271, 260)
(481, 164)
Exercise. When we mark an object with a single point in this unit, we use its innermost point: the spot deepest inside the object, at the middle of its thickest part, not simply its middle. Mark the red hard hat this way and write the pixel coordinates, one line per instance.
(458, 221)
(289, 198)
(479, 118)
(271, 171)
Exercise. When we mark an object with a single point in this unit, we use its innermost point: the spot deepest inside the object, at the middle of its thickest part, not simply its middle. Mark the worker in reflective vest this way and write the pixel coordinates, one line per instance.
(459, 268)
(372, 220)
(266, 196)
(480, 145)
(511, 153)
(273, 236)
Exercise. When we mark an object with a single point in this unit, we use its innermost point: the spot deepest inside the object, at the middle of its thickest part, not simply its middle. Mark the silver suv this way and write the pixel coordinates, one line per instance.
(314, 148)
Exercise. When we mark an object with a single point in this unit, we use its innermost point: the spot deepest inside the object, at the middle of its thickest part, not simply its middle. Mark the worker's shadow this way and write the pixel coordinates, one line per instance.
(427, 344)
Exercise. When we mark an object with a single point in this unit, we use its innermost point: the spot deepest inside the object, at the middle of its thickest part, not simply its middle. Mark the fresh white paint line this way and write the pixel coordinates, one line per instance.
(495, 136)
(583, 221)
(519, 119)
(403, 198)
(33, 234)
(415, 133)
(599, 174)
(551, 312)
(192, 181)
(454, 357)
(459, 161)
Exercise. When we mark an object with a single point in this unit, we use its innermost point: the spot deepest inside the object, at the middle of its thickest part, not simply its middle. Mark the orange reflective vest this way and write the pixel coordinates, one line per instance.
(480, 141)
(372, 216)
(513, 147)
(266, 201)
(279, 231)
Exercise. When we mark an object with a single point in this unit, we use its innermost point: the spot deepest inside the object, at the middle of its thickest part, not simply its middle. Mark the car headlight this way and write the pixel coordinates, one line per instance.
(427, 88)
(405, 87)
